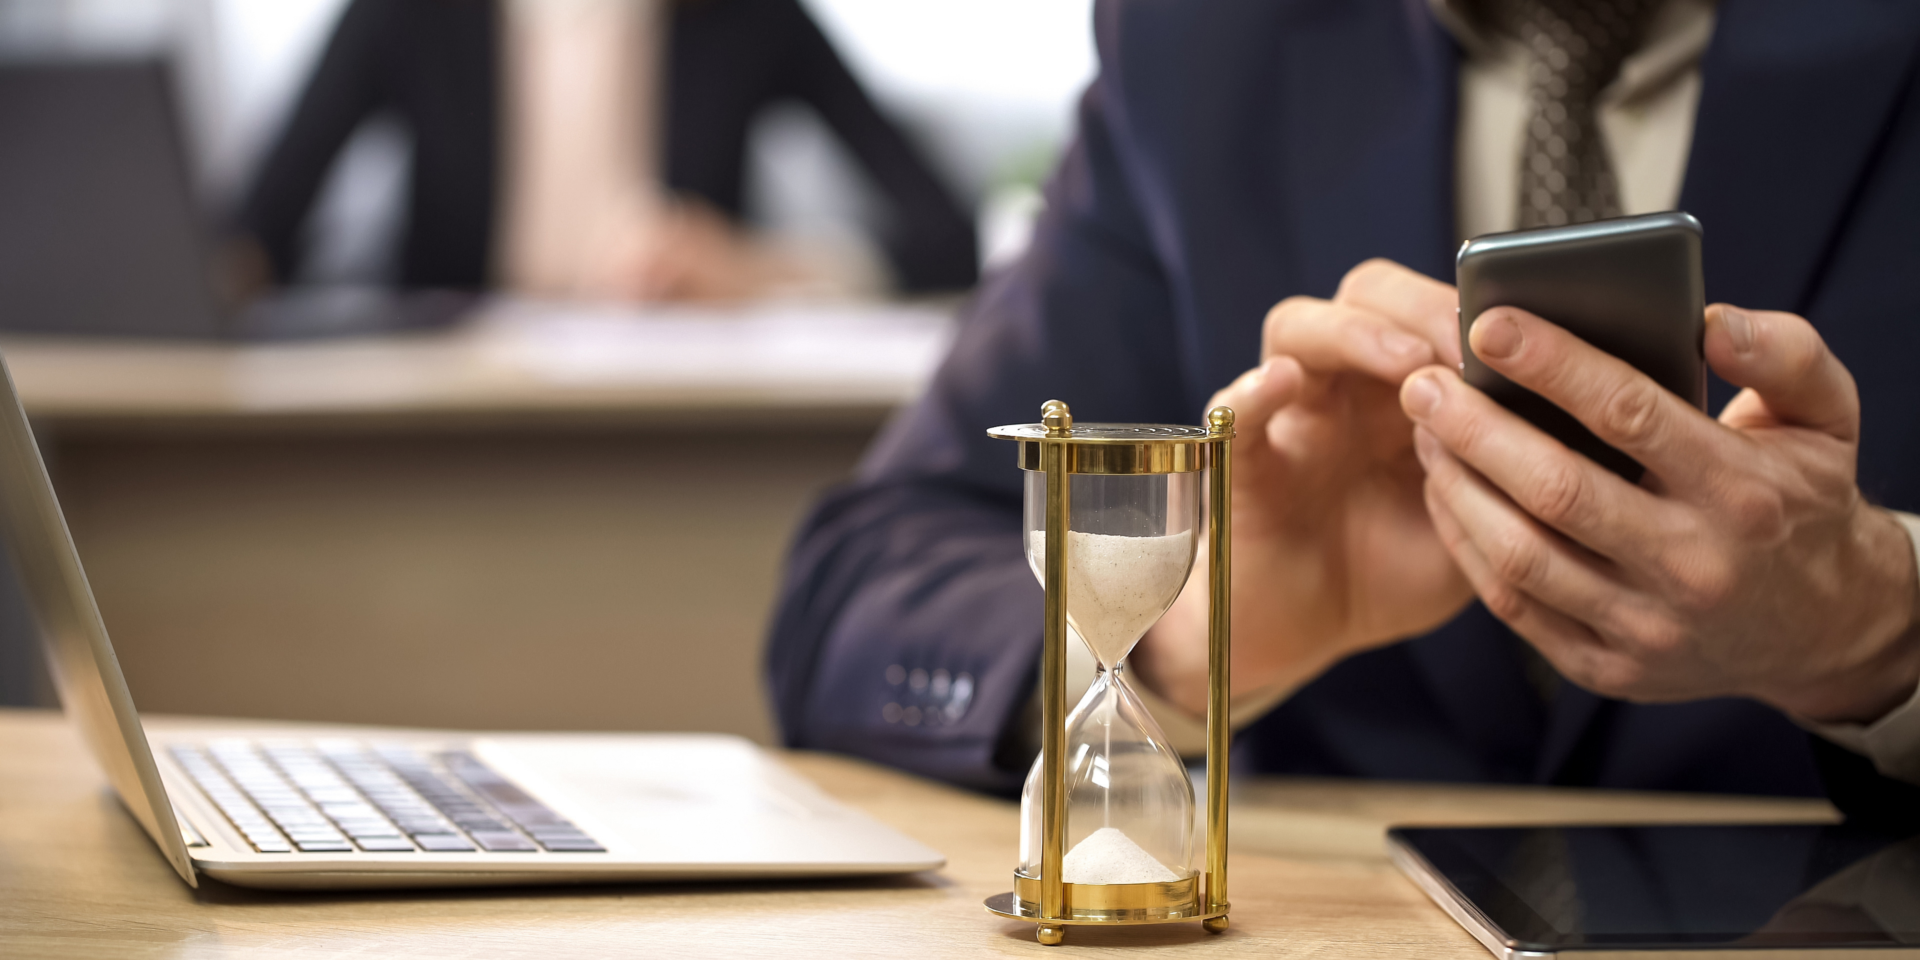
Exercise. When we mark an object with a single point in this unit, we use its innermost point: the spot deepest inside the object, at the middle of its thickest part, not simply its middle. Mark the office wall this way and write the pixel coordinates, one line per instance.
(612, 577)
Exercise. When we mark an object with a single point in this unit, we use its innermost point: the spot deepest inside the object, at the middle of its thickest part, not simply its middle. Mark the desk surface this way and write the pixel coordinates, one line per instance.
(1309, 878)
(820, 362)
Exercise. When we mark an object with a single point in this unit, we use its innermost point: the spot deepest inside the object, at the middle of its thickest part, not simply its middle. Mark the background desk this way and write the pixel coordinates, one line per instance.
(542, 520)
(1309, 877)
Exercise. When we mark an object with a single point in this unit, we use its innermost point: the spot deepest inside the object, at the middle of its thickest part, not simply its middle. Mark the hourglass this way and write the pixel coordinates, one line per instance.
(1113, 521)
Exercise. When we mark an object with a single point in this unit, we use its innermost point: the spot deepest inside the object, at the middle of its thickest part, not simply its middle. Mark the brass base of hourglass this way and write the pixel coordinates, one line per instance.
(1111, 903)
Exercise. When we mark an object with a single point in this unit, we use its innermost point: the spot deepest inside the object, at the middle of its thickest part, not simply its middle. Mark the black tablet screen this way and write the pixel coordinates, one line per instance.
(1614, 887)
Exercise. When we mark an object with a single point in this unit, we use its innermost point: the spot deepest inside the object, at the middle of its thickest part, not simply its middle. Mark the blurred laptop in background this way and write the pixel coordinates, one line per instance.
(100, 232)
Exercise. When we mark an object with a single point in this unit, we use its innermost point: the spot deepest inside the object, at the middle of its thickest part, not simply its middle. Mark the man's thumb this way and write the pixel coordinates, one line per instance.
(1783, 360)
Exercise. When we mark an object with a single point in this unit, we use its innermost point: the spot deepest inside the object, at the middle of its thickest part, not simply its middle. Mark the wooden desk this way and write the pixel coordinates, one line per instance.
(541, 520)
(1308, 876)
(513, 363)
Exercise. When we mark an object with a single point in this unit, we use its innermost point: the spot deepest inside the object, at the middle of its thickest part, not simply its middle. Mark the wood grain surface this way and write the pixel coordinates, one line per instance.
(1309, 878)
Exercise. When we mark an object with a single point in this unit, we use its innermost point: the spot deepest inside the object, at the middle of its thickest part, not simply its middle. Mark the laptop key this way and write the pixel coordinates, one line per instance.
(582, 845)
(503, 841)
(324, 846)
(368, 833)
(384, 844)
(443, 843)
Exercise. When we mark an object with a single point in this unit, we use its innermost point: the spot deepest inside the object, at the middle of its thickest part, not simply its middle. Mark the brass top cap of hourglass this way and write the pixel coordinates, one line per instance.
(1117, 448)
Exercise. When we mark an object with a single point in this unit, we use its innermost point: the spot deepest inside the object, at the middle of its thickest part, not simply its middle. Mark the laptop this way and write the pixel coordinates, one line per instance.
(304, 807)
(101, 233)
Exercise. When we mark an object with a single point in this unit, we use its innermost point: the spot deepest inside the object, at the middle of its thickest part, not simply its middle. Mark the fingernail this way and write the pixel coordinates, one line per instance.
(1423, 395)
(1496, 336)
(1739, 328)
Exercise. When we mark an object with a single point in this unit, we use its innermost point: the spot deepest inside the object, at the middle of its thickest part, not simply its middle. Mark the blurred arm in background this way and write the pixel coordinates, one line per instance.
(732, 59)
(437, 66)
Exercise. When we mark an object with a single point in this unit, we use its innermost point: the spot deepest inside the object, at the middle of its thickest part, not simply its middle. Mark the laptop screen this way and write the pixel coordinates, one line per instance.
(85, 670)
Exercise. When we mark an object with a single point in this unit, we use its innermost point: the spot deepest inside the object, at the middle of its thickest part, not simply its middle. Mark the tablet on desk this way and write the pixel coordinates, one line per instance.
(1708, 892)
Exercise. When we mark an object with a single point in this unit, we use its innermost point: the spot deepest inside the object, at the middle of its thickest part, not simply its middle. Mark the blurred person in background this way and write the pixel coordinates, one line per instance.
(1425, 586)
(596, 149)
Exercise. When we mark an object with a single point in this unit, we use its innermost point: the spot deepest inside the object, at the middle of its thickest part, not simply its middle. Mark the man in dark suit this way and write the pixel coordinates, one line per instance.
(1235, 154)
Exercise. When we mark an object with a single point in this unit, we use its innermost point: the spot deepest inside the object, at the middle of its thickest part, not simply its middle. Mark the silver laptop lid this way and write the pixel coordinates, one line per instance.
(87, 674)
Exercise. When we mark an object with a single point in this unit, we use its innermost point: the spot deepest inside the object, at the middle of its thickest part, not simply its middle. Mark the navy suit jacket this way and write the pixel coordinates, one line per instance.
(1235, 152)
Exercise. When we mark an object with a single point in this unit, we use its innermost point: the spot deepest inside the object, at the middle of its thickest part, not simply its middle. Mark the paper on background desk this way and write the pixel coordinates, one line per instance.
(889, 347)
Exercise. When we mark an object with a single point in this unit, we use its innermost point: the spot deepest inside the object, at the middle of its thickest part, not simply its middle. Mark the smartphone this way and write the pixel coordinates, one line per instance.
(1629, 286)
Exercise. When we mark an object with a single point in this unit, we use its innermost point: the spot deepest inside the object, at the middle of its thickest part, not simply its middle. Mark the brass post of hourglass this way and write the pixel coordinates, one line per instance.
(1219, 624)
(1053, 669)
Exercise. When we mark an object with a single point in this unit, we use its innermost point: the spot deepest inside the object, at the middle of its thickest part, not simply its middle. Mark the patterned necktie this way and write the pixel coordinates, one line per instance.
(1574, 49)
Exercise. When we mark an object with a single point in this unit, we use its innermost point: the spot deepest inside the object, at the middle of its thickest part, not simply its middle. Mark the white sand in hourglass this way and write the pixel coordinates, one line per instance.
(1117, 586)
(1110, 856)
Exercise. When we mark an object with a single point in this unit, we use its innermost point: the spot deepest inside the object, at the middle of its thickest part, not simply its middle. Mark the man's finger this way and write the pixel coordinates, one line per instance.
(1256, 396)
(1571, 646)
(1328, 337)
(1555, 485)
(1621, 405)
(1420, 304)
(1521, 553)
(1783, 360)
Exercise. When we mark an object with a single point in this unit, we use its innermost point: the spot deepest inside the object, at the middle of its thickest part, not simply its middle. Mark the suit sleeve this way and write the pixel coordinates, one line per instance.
(909, 627)
(929, 239)
(1867, 797)
(345, 88)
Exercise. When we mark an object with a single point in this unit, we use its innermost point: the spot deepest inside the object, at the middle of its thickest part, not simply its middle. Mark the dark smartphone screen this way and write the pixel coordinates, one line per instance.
(1630, 287)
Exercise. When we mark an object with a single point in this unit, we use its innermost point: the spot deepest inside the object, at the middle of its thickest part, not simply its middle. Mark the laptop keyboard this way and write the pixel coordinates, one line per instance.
(342, 796)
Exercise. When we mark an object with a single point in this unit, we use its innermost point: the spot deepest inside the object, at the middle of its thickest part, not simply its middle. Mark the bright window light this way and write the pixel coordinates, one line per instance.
(1039, 52)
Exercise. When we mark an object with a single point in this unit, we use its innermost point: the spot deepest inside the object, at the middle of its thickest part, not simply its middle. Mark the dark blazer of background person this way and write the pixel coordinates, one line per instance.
(1233, 153)
(436, 65)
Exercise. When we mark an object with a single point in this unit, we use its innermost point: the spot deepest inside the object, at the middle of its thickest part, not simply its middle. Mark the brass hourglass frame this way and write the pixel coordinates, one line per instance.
(1053, 446)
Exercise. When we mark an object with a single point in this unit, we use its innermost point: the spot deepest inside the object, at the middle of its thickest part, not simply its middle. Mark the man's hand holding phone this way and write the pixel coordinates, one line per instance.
(1746, 562)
